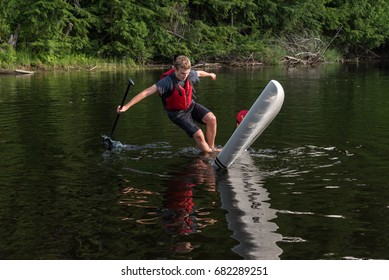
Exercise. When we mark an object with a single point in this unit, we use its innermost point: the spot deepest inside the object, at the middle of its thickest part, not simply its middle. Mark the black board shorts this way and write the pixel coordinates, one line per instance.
(186, 118)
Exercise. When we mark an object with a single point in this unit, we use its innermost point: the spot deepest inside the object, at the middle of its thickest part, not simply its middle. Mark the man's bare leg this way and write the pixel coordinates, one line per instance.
(211, 126)
(200, 141)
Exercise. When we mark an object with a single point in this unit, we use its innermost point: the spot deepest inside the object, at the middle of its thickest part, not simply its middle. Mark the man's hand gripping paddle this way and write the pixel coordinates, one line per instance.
(108, 143)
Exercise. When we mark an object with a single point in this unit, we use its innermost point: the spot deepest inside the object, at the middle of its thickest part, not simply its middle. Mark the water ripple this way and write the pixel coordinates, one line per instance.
(291, 239)
(289, 212)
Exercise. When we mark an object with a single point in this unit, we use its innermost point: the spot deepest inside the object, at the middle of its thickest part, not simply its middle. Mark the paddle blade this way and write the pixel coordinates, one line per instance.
(107, 142)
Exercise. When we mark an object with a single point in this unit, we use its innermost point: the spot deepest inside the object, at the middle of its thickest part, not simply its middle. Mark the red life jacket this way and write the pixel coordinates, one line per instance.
(181, 97)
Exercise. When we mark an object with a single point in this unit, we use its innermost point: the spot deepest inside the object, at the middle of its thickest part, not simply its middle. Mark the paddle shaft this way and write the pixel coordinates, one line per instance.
(130, 83)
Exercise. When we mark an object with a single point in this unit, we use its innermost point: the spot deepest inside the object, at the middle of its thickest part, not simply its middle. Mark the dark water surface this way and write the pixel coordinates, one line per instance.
(313, 186)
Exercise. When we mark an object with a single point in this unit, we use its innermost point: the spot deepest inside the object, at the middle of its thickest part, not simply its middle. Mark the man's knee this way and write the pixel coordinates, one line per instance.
(198, 135)
(210, 119)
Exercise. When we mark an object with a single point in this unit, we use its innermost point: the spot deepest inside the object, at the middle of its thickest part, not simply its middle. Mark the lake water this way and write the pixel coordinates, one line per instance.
(313, 186)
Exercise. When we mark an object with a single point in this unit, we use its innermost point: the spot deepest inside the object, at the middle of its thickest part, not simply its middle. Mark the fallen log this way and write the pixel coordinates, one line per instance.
(15, 72)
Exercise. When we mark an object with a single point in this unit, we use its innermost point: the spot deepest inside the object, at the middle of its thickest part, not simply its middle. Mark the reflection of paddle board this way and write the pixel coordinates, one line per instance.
(250, 216)
(260, 115)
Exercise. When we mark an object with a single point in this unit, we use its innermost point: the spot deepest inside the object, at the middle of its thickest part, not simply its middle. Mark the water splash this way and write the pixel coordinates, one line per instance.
(110, 144)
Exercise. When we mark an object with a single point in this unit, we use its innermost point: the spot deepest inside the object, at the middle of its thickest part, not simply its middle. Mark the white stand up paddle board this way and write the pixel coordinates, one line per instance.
(260, 115)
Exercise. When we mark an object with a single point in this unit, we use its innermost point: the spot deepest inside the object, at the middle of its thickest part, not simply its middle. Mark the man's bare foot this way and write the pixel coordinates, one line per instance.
(215, 150)
(212, 151)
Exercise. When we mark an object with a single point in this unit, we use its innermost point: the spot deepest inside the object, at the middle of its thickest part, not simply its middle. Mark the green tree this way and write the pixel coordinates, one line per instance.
(364, 23)
(170, 29)
(48, 28)
(144, 30)
(7, 15)
(126, 29)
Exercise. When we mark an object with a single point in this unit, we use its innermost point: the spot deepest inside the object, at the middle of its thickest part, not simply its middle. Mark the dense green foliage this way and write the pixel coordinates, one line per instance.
(142, 31)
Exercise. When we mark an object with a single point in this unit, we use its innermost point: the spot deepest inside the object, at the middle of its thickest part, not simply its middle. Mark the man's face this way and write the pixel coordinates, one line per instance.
(182, 74)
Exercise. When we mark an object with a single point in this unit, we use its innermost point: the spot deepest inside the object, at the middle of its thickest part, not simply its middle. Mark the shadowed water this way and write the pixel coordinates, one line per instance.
(313, 186)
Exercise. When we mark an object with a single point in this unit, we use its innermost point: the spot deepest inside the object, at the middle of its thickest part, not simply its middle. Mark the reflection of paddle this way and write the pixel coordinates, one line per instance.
(107, 141)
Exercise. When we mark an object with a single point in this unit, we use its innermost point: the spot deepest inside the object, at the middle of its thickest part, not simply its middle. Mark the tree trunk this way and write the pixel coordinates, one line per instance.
(13, 39)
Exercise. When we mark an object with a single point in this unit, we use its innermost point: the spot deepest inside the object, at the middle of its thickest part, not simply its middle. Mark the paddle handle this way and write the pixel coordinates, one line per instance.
(130, 83)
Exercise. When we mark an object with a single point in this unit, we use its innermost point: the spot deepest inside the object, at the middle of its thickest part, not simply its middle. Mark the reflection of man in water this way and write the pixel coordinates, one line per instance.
(180, 215)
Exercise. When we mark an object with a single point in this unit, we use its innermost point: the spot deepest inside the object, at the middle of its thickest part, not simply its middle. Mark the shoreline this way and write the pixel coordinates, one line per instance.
(286, 61)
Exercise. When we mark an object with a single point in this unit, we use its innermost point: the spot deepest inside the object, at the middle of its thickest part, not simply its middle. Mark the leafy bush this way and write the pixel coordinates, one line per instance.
(7, 54)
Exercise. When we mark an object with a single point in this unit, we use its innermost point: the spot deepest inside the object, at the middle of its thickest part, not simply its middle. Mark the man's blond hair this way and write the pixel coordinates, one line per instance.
(182, 62)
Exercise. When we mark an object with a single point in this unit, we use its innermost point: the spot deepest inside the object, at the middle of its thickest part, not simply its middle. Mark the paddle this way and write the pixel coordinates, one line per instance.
(107, 141)
(130, 83)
